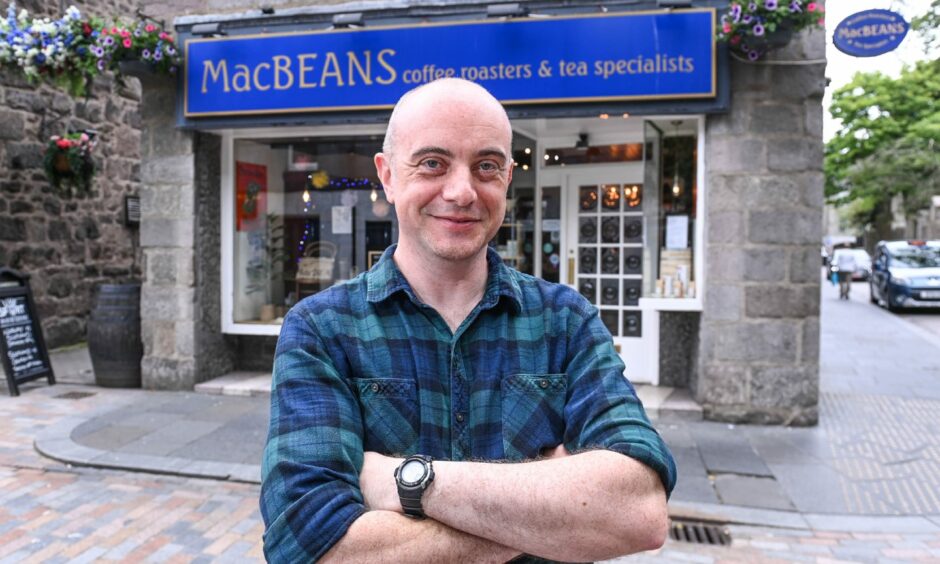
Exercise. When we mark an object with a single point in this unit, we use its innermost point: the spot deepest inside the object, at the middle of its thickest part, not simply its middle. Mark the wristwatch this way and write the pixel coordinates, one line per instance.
(413, 476)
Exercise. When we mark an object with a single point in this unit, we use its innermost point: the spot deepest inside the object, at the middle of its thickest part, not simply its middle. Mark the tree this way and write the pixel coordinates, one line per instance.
(889, 143)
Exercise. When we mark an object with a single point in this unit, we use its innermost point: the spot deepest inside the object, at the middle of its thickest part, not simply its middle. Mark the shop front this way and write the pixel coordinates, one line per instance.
(610, 188)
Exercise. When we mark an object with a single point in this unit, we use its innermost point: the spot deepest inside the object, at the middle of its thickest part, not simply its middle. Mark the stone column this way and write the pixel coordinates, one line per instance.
(167, 239)
(759, 347)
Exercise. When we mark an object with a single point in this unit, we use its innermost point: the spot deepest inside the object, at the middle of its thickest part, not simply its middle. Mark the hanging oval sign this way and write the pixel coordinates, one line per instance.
(870, 33)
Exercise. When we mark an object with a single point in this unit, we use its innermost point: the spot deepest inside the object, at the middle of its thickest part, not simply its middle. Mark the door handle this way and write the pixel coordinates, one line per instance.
(571, 271)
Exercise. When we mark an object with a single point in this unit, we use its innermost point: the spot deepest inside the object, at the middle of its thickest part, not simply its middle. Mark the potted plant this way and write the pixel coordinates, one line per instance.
(265, 270)
(68, 163)
(752, 28)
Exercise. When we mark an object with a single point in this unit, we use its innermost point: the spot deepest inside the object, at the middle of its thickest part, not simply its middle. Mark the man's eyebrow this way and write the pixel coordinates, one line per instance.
(492, 152)
(431, 151)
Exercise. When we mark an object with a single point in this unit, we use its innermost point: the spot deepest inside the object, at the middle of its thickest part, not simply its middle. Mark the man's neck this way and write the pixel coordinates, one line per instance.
(452, 288)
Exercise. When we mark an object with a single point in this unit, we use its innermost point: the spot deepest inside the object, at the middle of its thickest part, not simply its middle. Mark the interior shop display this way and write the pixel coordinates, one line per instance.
(610, 261)
(633, 261)
(587, 263)
(632, 323)
(588, 230)
(588, 198)
(633, 230)
(610, 230)
(588, 289)
(610, 290)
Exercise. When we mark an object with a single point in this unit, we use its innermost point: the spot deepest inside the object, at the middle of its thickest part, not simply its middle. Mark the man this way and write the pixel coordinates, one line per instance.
(845, 263)
(442, 351)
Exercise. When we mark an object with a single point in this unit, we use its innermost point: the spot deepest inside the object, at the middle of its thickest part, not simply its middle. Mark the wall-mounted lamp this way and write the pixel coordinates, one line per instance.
(514, 10)
(267, 9)
(672, 4)
(353, 19)
(213, 29)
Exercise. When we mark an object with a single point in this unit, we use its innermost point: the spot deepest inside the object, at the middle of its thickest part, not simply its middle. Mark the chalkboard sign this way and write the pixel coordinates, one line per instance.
(23, 349)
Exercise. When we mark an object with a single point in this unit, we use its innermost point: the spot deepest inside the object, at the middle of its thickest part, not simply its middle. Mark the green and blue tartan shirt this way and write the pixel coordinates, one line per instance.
(366, 366)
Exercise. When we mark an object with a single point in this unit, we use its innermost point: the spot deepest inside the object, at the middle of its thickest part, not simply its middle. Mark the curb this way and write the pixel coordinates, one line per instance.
(56, 442)
(835, 522)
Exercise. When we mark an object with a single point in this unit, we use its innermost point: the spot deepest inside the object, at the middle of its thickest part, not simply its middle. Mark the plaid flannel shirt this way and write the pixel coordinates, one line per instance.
(366, 366)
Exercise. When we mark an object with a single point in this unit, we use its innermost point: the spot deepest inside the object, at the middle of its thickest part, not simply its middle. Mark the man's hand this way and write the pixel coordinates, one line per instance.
(377, 482)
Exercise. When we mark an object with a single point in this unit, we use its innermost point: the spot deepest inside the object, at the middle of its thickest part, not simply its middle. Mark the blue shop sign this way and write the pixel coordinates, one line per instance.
(633, 56)
(870, 33)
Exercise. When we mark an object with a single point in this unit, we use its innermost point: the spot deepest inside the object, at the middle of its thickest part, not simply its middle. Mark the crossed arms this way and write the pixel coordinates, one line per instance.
(589, 506)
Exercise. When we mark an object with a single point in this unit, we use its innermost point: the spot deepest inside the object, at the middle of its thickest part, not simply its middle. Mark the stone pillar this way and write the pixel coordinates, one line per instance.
(759, 346)
(167, 239)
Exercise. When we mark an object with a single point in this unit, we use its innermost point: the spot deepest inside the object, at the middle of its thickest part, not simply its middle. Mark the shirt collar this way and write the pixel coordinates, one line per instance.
(385, 279)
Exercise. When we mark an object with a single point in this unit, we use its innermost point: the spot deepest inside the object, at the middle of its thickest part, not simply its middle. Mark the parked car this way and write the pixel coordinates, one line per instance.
(906, 274)
(862, 263)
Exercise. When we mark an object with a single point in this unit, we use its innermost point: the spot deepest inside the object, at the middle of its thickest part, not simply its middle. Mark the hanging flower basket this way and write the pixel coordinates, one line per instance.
(754, 28)
(69, 165)
(72, 50)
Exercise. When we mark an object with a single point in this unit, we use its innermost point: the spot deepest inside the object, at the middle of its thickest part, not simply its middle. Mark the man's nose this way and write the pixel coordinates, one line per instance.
(460, 189)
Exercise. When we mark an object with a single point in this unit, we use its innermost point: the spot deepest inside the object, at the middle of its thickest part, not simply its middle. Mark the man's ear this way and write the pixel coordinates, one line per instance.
(383, 167)
(509, 176)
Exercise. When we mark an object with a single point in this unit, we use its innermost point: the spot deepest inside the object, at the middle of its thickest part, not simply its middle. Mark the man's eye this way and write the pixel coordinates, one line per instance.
(488, 166)
(432, 164)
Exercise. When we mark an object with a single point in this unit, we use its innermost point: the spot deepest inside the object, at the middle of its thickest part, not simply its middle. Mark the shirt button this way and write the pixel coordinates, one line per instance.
(543, 384)
(460, 418)
(375, 387)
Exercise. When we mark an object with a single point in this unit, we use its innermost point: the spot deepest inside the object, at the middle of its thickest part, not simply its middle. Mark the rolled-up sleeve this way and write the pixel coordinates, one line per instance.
(602, 409)
(310, 472)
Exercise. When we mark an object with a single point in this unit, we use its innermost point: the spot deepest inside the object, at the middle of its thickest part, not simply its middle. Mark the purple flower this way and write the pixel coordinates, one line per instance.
(157, 55)
(770, 4)
(145, 54)
(746, 19)
(757, 30)
(753, 55)
(108, 41)
(752, 7)
(101, 64)
(796, 6)
(98, 51)
(736, 12)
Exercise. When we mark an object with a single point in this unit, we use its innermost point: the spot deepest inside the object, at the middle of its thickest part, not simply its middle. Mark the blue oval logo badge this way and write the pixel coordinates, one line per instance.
(870, 33)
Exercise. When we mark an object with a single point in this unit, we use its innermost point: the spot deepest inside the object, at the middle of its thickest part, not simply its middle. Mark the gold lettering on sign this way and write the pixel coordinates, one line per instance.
(221, 69)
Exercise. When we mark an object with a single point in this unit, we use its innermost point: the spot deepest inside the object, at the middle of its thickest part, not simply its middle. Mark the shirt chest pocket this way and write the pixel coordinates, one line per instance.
(389, 414)
(533, 407)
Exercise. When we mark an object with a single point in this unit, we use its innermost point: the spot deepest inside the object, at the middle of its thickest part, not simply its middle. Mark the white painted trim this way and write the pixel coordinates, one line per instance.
(227, 228)
(701, 200)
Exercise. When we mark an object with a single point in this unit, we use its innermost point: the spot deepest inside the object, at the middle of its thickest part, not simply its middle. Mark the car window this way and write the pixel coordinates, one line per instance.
(925, 257)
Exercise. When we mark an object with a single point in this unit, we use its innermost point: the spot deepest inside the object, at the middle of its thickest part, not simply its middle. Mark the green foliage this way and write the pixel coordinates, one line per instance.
(68, 164)
(70, 51)
(753, 27)
(928, 26)
(888, 144)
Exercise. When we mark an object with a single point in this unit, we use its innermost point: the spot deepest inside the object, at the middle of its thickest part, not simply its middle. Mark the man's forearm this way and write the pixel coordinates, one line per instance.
(590, 506)
(385, 536)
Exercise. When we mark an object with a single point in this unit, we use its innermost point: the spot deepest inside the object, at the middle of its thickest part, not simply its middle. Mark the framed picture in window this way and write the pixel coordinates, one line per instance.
(373, 257)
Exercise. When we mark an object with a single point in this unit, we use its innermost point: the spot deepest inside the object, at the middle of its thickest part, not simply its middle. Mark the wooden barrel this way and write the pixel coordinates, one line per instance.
(114, 341)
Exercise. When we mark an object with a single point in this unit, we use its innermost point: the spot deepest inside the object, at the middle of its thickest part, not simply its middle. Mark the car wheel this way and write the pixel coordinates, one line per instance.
(891, 307)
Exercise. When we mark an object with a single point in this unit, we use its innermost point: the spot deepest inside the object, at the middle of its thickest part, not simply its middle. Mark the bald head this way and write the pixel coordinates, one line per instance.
(455, 93)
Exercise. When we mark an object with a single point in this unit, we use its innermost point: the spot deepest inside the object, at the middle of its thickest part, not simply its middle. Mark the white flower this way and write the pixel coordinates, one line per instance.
(73, 13)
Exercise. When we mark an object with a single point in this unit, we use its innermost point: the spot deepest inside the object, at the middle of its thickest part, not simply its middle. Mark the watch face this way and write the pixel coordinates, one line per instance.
(412, 472)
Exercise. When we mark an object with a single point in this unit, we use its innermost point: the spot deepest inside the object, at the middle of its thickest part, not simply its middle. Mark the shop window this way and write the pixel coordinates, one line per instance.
(583, 153)
(677, 218)
(308, 214)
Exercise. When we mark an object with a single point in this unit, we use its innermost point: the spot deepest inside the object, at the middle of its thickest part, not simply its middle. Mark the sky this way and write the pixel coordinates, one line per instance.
(842, 67)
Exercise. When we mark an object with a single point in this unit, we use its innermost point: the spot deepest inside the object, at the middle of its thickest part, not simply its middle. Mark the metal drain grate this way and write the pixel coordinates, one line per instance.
(74, 395)
(699, 533)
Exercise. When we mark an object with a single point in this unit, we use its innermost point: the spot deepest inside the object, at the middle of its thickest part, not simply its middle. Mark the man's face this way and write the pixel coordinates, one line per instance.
(447, 176)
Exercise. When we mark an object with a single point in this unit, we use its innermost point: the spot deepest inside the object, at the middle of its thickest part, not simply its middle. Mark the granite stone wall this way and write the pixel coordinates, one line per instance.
(759, 349)
(68, 246)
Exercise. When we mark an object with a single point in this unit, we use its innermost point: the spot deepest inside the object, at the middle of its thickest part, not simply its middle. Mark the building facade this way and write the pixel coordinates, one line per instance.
(688, 212)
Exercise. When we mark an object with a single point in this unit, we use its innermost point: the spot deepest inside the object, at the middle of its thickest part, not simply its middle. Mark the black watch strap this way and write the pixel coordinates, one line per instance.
(410, 494)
